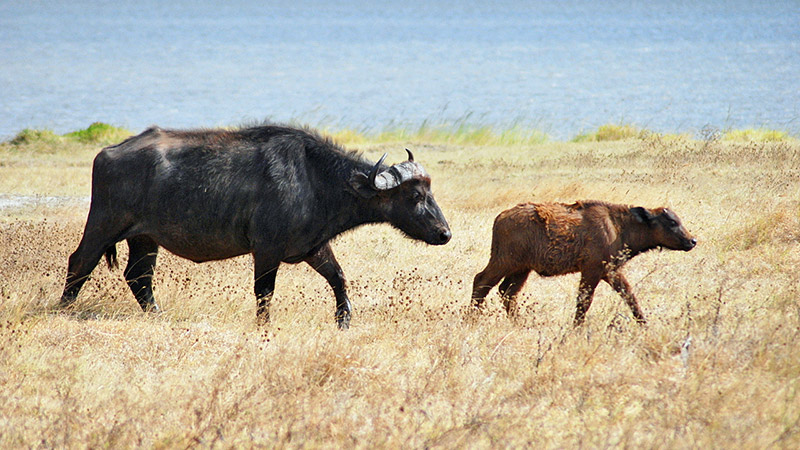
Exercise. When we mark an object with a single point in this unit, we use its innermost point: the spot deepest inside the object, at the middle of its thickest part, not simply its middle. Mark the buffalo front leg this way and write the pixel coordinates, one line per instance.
(139, 271)
(100, 235)
(326, 265)
(265, 271)
(586, 289)
(509, 289)
(81, 264)
(621, 285)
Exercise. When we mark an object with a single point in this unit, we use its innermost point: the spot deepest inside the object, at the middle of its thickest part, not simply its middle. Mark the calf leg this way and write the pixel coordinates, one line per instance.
(484, 282)
(586, 289)
(139, 271)
(266, 269)
(509, 289)
(621, 285)
(326, 265)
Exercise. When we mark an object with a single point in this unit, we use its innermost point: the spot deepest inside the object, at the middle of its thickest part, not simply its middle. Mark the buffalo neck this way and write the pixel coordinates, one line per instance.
(346, 210)
(636, 237)
(342, 208)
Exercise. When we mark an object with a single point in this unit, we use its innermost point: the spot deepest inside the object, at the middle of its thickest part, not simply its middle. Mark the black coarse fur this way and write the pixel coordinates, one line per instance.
(277, 192)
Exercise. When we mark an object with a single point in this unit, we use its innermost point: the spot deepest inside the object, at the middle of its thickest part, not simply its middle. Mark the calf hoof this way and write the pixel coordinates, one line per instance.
(477, 303)
(472, 314)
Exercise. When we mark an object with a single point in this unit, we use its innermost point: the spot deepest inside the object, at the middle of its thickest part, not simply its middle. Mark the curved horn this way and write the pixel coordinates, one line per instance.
(374, 172)
(410, 155)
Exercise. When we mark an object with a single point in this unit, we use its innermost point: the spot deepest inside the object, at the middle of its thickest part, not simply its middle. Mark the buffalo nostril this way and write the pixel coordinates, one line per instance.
(445, 236)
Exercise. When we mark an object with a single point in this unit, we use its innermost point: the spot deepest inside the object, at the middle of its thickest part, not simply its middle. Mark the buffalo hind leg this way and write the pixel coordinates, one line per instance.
(265, 271)
(509, 289)
(621, 285)
(484, 282)
(139, 271)
(326, 265)
(586, 289)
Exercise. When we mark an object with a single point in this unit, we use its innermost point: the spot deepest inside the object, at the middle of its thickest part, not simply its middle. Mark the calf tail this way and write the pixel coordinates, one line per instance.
(111, 257)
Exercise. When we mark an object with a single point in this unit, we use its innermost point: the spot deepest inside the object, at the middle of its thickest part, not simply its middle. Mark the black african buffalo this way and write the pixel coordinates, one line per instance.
(276, 192)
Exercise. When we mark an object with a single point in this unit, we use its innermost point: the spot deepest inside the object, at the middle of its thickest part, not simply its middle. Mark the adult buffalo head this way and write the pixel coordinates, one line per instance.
(403, 193)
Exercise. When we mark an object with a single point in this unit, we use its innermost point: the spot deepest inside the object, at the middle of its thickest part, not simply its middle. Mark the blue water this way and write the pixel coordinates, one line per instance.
(562, 67)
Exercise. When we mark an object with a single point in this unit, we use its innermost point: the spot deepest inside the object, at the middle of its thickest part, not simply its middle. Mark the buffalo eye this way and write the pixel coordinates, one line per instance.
(417, 196)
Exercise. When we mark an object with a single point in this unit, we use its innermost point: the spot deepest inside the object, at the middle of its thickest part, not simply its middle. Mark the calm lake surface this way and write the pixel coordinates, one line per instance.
(561, 67)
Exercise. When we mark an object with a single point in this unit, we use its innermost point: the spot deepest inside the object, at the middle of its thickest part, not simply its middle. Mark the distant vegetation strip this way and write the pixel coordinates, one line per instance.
(458, 133)
(96, 133)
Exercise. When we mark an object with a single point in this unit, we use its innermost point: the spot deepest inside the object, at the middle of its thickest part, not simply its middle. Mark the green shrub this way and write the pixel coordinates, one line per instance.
(100, 133)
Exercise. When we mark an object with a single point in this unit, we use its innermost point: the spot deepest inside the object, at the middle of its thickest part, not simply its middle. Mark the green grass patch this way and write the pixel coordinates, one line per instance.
(32, 141)
(96, 133)
(346, 136)
(100, 133)
(30, 136)
(756, 135)
(610, 132)
(459, 133)
(47, 142)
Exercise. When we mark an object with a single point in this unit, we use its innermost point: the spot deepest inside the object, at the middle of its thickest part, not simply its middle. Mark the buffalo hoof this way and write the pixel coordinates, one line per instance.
(151, 308)
(262, 320)
(65, 302)
(343, 321)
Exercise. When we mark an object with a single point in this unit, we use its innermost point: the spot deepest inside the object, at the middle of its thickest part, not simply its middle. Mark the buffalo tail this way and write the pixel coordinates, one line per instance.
(111, 257)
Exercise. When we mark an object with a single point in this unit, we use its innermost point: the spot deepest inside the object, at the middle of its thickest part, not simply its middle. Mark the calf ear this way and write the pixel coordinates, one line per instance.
(642, 215)
(360, 184)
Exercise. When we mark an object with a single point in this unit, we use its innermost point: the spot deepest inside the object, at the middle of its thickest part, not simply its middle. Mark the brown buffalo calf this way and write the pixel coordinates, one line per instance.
(591, 237)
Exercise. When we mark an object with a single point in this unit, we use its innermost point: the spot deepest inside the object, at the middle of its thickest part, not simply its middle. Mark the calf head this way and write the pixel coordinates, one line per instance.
(665, 228)
(403, 195)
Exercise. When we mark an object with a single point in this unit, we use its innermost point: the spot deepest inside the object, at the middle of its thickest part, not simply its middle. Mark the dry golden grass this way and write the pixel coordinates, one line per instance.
(416, 369)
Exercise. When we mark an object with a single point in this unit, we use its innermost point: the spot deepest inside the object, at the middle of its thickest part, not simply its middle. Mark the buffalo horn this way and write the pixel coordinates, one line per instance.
(410, 155)
(374, 171)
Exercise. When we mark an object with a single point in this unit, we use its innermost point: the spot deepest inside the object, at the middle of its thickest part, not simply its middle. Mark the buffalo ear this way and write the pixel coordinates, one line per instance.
(361, 185)
(642, 215)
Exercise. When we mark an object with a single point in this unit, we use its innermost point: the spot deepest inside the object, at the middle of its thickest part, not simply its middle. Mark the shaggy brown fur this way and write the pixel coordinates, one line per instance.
(591, 237)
